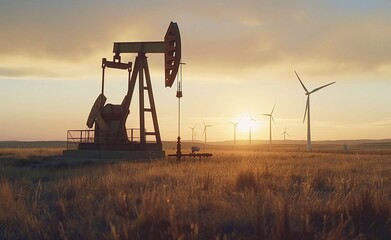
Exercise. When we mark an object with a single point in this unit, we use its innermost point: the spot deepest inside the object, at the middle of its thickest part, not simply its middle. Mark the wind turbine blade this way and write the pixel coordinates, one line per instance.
(273, 109)
(265, 114)
(234, 123)
(203, 121)
(203, 133)
(302, 84)
(306, 108)
(273, 119)
(316, 89)
(287, 133)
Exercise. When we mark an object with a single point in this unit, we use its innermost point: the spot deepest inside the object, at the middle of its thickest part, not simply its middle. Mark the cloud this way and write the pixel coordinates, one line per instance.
(15, 72)
(227, 37)
(381, 123)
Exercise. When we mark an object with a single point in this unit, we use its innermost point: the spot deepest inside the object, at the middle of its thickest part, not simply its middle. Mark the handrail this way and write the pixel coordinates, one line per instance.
(74, 137)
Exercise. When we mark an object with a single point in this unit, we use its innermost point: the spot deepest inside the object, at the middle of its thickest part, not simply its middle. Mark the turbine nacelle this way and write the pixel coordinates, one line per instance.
(270, 114)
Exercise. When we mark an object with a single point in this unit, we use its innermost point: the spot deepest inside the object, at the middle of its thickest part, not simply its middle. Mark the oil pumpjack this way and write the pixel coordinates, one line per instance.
(109, 120)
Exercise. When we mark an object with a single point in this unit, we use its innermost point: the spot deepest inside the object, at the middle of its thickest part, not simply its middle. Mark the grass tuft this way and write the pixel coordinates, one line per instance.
(246, 180)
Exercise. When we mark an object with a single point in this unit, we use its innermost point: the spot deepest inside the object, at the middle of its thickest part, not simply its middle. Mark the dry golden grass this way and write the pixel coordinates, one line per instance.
(246, 195)
(25, 153)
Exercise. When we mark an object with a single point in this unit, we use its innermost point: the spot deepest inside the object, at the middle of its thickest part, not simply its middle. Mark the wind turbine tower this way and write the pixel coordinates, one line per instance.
(235, 124)
(307, 110)
(285, 133)
(205, 127)
(192, 132)
(250, 128)
(270, 115)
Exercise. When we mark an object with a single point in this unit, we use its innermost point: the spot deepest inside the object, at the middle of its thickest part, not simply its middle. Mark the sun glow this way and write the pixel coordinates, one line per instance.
(247, 123)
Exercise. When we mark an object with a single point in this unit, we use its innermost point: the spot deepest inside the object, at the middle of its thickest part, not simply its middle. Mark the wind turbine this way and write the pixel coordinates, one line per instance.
(192, 132)
(270, 115)
(235, 124)
(285, 133)
(250, 126)
(205, 127)
(307, 110)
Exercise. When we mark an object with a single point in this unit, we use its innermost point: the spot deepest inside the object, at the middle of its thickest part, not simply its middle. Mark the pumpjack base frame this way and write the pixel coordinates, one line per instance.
(131, 146)
(114, 154)
(131, 151)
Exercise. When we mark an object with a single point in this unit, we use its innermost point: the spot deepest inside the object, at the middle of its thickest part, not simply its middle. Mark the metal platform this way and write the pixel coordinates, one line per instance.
(80, 144)
(115, 155)
(129, 146)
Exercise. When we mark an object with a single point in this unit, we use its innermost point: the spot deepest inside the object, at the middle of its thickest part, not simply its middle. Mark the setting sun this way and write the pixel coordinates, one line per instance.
(246, 123)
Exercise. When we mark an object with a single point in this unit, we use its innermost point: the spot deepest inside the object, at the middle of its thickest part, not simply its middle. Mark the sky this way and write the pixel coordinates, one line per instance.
(240, 59)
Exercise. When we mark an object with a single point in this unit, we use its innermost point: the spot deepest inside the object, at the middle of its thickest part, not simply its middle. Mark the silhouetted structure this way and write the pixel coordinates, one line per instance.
(192, 132)
(285, 133)
(235, 124)
(204, 132)
(270, 115)
(307, 110)
(110, 131)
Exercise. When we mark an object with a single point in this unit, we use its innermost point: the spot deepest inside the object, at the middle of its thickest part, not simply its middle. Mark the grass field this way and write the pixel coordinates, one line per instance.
(234, 195)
